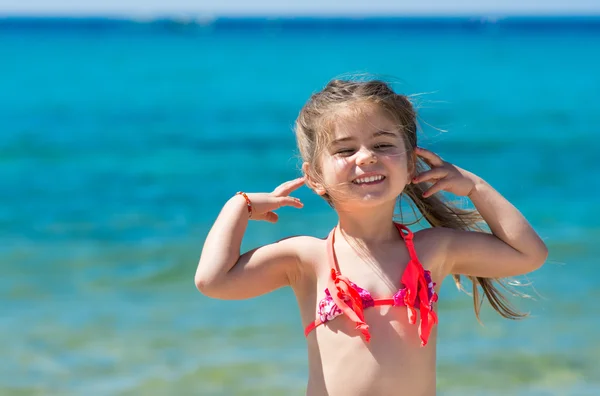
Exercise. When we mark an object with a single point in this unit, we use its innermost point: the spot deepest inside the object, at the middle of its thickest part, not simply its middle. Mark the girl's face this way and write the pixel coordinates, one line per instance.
(366, 162)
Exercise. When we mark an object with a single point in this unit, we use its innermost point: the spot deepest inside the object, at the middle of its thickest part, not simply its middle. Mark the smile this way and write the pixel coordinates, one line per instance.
(369, 179)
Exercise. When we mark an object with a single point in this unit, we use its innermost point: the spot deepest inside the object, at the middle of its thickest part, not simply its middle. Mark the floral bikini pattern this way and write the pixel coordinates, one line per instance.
(417, 293)
(328, 309)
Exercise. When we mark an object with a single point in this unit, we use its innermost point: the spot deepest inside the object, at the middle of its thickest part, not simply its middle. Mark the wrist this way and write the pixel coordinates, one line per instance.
(238, 204)
(478, 184)
(247, 201)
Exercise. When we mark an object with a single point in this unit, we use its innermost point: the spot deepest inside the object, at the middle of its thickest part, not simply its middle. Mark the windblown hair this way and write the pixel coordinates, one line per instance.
(314, 127)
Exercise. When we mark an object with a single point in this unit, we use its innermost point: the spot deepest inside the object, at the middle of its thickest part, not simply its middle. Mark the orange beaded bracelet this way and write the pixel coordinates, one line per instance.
(248, 202)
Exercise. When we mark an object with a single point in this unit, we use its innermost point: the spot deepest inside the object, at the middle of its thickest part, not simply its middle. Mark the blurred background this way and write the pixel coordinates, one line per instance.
(125, 126)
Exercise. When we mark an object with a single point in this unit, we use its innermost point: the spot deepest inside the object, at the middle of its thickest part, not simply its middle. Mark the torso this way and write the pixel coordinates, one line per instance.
(340, 361)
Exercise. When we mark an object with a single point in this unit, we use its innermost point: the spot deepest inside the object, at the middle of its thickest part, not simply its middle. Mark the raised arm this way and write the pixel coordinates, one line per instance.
(223, 273)
(513, 248)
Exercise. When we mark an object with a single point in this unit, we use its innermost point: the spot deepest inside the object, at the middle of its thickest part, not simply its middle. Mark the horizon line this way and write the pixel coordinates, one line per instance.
(208, 15)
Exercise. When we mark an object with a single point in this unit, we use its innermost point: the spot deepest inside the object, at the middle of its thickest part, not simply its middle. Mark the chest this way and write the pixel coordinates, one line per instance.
(378, 271)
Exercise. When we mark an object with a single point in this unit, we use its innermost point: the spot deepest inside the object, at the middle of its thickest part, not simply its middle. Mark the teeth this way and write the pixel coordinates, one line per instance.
(368, 179)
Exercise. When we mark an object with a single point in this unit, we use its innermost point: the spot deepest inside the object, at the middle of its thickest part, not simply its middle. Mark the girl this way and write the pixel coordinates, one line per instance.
(358, 142)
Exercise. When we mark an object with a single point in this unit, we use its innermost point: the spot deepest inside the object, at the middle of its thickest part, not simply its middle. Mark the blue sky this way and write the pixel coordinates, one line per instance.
(303, 7)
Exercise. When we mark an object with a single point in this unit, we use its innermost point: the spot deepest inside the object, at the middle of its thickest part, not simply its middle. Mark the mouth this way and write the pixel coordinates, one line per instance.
(368, 180)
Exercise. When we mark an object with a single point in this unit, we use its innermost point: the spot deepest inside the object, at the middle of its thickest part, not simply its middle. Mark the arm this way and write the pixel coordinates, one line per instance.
(223, 273)
(513, 248)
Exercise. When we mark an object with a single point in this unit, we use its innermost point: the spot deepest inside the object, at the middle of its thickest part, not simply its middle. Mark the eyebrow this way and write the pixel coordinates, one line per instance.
(376, 134)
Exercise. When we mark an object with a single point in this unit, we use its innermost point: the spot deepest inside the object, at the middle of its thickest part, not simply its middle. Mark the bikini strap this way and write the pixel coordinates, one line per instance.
(417, 289)
(331, 258)
(405, 232)
(407, 235)
(343, 294)
(349, 301)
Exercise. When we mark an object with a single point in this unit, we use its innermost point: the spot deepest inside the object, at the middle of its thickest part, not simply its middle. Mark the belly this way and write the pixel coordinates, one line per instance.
(392, 363)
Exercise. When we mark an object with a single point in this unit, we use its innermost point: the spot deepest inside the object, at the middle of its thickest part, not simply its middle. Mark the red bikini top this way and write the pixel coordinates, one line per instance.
(345, 297)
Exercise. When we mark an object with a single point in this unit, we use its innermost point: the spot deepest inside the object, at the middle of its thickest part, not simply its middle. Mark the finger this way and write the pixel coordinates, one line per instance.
(289, 186)
(289, 201)
(429, 156)
(437, 187)
(271, 217)
(433, 174)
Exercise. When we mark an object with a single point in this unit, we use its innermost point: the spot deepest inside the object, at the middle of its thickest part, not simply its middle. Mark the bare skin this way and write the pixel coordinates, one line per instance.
(340, 362)
(371, 253)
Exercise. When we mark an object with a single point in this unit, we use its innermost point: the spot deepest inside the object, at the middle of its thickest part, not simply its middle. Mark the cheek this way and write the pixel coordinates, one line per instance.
(398, 161)
(334, 166)
(341, 168)
(340, 163)
(398, 158)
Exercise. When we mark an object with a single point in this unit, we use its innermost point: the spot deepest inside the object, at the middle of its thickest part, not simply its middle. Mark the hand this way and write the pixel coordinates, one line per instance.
(263, 204)
(444, 176)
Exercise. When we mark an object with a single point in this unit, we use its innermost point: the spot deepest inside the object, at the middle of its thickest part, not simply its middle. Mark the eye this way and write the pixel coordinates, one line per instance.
(383, 146)
(344, 152)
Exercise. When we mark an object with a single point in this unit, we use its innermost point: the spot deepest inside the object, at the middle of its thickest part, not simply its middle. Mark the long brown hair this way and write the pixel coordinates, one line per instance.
(313, 127)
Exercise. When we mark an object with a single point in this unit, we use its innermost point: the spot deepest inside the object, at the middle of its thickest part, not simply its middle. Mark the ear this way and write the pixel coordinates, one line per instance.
(412, 165)
(310, 181)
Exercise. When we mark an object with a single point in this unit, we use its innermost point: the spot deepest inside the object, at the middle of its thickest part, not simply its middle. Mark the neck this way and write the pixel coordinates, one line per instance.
(369, 226)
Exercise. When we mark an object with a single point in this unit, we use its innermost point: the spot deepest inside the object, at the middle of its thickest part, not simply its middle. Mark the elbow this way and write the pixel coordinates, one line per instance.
(205, 284)
(201, 284)
(539, 257)
(213, 287)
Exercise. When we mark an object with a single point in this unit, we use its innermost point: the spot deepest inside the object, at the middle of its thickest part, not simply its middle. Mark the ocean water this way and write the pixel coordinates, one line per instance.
(120, 140)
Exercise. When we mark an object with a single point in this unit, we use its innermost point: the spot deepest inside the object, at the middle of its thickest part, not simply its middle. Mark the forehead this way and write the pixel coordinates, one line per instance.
(361, 119)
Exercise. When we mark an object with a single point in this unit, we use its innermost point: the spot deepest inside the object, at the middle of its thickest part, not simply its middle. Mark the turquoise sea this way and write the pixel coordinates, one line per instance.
(121, 139)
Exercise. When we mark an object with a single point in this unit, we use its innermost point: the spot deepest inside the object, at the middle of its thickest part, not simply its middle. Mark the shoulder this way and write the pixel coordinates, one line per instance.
(301, 244)
(433, 237)
(432, 246)
(308, 251)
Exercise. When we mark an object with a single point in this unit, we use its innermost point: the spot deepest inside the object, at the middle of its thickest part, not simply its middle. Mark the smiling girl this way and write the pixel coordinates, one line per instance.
(367, 292)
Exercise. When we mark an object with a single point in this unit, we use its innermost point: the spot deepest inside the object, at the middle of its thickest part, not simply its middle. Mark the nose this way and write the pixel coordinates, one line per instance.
(365, 157)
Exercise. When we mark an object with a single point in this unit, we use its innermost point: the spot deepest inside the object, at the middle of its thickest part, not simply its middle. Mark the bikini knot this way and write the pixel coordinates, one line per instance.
(333, 274)
(349, 302)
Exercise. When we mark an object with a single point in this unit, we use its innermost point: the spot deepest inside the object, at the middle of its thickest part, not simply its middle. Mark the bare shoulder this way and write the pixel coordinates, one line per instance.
(308, 249)
(266, 268)
(481, 254)
(301, 244)
(432, 245)
(433, 239)
(312, 259)
(433, 234)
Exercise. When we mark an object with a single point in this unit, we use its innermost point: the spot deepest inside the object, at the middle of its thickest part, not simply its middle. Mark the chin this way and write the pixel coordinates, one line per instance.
(378, 196)
(374, 200)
